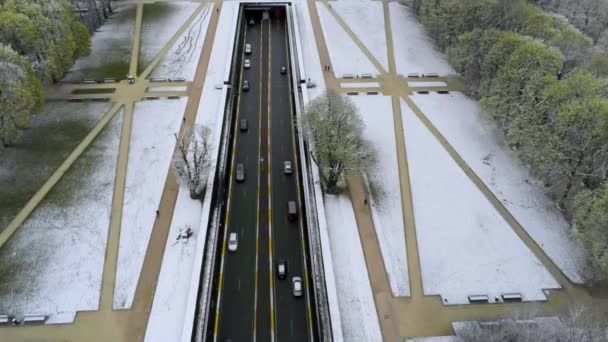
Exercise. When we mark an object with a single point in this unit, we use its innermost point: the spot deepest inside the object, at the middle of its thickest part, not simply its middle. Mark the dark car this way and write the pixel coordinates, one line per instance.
(240, 172)
(282, 269)
(243, 126)
(246, 85)
(283, 70)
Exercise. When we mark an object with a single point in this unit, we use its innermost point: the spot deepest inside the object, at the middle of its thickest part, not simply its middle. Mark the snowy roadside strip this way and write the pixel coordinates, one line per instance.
(208, 223)
(326, 298)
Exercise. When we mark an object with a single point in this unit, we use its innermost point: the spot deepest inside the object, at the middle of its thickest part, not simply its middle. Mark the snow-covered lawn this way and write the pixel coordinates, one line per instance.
(150, 151)
(387, 213)
(345, 55)
(366, 19)
(53, 264)
(465, 246)
(357, 309)
(459, 119)
(310, 55)
(161, 20)
(182, 58)
(168, 310)
(360, 85)
(426, 84)
(52, 135)
(111, 47)
(414, 50)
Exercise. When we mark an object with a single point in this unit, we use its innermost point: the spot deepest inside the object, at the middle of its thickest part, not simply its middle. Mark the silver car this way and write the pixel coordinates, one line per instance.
(287, 168)
(240, 172)
(247, 64)
(296, 286)
(247, 48)
(233, 242)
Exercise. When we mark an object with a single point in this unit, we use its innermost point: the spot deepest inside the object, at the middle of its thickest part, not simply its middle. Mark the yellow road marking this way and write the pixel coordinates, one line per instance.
(226, 218)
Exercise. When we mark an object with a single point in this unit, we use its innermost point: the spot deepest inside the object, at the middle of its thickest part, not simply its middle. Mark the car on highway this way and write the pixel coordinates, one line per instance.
(240, 172)
(243, 126)
(247, 48)
(283, 70)
(251, 21)
(246, 85)
(247, 64)
(282, 269)
(233, 242)
(287, 168)
(296, 286)
(292, 211)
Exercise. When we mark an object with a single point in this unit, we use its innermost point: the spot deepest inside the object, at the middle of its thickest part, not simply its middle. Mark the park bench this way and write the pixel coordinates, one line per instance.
(348, 76)
(177, 79)
(442, 92)
(352, 93)
(372, 93)
(109, 80)
(88, 81)
(478, 299)
(423, 92)
(527, 323)
(152, 98)
(5, 319)
(511, 297)
(432, 74)
(34, 319)
(413, 75)
(366, 76)
(158, 79)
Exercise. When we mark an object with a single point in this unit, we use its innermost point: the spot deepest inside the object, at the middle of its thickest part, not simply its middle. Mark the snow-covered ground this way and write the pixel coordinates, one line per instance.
(465, 246)
(387, 213)
(345, 55)
(357, 309)
(171, 295)
(310, 55)
(51, 136)
(360, 85)
(414, 50)
(111, 47)
(180, 269)
(459, 119)
(161, 20)
(53, 264)
(426, 84)
(366, 19)
(182, 59)
(150, 150)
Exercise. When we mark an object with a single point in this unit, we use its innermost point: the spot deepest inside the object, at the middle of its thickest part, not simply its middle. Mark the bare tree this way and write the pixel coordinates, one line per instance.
(336, 129)
(192, 159)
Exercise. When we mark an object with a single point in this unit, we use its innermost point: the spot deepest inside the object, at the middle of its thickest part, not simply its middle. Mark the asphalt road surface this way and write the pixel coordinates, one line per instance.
(254, 304)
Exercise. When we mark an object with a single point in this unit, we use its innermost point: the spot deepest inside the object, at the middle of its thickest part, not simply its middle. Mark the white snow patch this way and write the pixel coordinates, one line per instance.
(360, 85)
(356, 301)
(387, 212)
(171, 295)
(150, 151)
(160, 22)
(345, 55)
(366, 19)
(182, 59)
(167, 89)
(414, 50)
(56, 257)
(427, 84)
(460, 120)
(312, 63)
(465, 246)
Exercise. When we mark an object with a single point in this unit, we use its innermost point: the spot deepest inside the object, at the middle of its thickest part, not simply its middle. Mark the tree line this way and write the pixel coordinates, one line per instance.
(544, 83)
(39, 42)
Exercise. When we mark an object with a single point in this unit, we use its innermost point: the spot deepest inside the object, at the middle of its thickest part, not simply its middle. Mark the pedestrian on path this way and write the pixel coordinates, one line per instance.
(157, 212)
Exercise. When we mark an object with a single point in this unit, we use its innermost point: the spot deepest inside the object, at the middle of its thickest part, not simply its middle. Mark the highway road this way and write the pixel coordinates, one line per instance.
(252, 303)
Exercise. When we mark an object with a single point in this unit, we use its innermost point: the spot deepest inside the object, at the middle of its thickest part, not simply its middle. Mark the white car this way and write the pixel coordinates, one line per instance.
(287, 168)
(233, 242)
(247, 64)
(247, 48)
(296, 286)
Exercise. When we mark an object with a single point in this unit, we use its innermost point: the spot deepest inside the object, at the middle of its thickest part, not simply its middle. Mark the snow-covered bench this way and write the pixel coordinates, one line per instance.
(34, 319)
(413, 75)
(158, 79)
(109, 80)
(177, 79)
(432, 74)
(4, 319)
(366, 76)
(348, 76)
(477, 299)
(511, 297)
